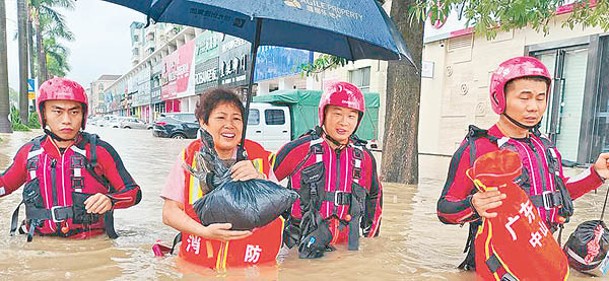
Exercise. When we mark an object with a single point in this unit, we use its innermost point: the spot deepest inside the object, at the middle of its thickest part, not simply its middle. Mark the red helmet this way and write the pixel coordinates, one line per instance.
(511, 69)
(61, 89)
(342, 94)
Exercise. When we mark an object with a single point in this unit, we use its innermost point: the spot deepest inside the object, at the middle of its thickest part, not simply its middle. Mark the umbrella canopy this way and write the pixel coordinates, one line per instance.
(345, 28)
(350, 29)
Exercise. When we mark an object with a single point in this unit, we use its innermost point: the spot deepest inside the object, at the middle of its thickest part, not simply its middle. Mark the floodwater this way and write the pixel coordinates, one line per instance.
(413, 244)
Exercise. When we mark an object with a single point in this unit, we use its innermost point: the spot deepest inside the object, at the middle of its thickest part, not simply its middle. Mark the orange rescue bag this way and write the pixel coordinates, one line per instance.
(517, 244)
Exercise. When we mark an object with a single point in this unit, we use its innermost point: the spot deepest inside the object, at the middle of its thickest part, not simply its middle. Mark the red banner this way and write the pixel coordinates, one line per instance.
(176, 71)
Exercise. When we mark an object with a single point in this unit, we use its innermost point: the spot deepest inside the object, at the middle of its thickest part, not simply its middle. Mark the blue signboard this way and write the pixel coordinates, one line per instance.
(31, 89)
(273, 62)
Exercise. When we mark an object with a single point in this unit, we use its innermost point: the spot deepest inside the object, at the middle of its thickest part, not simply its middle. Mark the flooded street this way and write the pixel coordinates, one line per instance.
(413, 244)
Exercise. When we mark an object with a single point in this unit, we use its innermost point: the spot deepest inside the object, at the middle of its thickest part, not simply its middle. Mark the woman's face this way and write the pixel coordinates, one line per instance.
(225, 125)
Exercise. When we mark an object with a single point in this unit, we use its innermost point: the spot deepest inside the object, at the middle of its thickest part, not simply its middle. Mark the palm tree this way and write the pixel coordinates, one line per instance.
(23, 55)
(47, 21)
(30, 44)
(5, 125)
(57, 57)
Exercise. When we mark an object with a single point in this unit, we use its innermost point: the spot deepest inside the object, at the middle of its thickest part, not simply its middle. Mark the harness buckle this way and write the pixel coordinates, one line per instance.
(341, 198)
(55, 214)
(548, 200)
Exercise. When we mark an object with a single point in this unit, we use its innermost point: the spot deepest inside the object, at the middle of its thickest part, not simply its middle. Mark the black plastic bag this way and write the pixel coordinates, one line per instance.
(244, 204)
(587, 248)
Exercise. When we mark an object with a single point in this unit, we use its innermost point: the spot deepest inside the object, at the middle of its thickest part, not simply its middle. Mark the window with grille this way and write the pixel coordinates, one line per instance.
(360, 78)
(274, 117)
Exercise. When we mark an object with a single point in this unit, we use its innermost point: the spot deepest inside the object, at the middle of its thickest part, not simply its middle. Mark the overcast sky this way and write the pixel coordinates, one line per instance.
(102, 44)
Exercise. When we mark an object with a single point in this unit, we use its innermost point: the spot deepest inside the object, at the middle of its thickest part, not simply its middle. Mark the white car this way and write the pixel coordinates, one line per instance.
(116, 121)
(132, 123)
(106, 121)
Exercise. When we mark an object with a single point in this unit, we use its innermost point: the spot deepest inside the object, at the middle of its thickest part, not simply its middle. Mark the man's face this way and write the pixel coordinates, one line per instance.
(340, 122)
(526, 100)
(63, 117)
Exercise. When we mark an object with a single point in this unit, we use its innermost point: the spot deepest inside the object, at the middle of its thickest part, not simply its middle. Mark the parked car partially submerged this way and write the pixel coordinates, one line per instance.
(132, 123)
(93, 120)
(183, 125)
(106, 121)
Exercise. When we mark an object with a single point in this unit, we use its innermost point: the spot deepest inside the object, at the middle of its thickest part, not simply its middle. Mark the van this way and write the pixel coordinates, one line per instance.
(269, 125)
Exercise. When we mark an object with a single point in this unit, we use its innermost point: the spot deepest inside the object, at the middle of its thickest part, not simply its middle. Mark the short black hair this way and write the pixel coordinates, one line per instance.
(211, 98)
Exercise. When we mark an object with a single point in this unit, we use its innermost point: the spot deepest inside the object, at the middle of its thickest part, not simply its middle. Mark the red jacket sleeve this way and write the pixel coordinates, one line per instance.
(289, 156)
(16, 174)
(454, 205)
(583, 183)
(126, 192)
(371, 223)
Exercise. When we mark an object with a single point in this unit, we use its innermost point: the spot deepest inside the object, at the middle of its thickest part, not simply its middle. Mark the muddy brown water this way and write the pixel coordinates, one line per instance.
(413, 244)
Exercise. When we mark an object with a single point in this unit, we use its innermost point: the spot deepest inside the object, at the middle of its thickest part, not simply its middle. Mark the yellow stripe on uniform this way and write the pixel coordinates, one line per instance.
(258, 164)
(194, 192)
(220, 253)
(225, 255)
(272, 158)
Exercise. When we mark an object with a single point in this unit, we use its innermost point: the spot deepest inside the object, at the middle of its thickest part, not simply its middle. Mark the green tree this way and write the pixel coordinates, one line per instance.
(487, 17)
(57, 57)
(5, 125)
(48, 23)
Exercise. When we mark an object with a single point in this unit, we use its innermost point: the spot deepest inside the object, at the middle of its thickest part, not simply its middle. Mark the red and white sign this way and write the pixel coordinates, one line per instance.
(176, 71)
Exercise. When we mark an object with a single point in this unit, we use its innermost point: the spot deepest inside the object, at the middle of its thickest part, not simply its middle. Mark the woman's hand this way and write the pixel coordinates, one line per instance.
(483, 201)
(221, 231)
(174, 216)
(244, 171)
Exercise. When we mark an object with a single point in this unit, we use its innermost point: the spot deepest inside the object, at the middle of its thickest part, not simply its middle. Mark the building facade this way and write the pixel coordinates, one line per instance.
(173, 66)
(456, 76)
(97, 91)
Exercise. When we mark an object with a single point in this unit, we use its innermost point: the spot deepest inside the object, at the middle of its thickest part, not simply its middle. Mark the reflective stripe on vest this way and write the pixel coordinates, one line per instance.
(261, 247)
(42, 214)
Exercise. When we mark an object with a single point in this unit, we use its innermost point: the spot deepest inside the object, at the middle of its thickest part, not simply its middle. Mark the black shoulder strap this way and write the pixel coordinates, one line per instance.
(90, 165)
(315, 131)
(92, 139)
(91, 161)
(37, 142)
(357, 141)
(473, 134)
(314, 148)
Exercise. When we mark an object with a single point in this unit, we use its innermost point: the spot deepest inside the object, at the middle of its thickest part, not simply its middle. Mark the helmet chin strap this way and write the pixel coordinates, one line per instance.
(56, 137)
(332, 140)
(523, 126)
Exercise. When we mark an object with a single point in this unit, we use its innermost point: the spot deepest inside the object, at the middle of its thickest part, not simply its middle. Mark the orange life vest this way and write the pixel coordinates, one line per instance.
(517, 243)
(260, 247)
